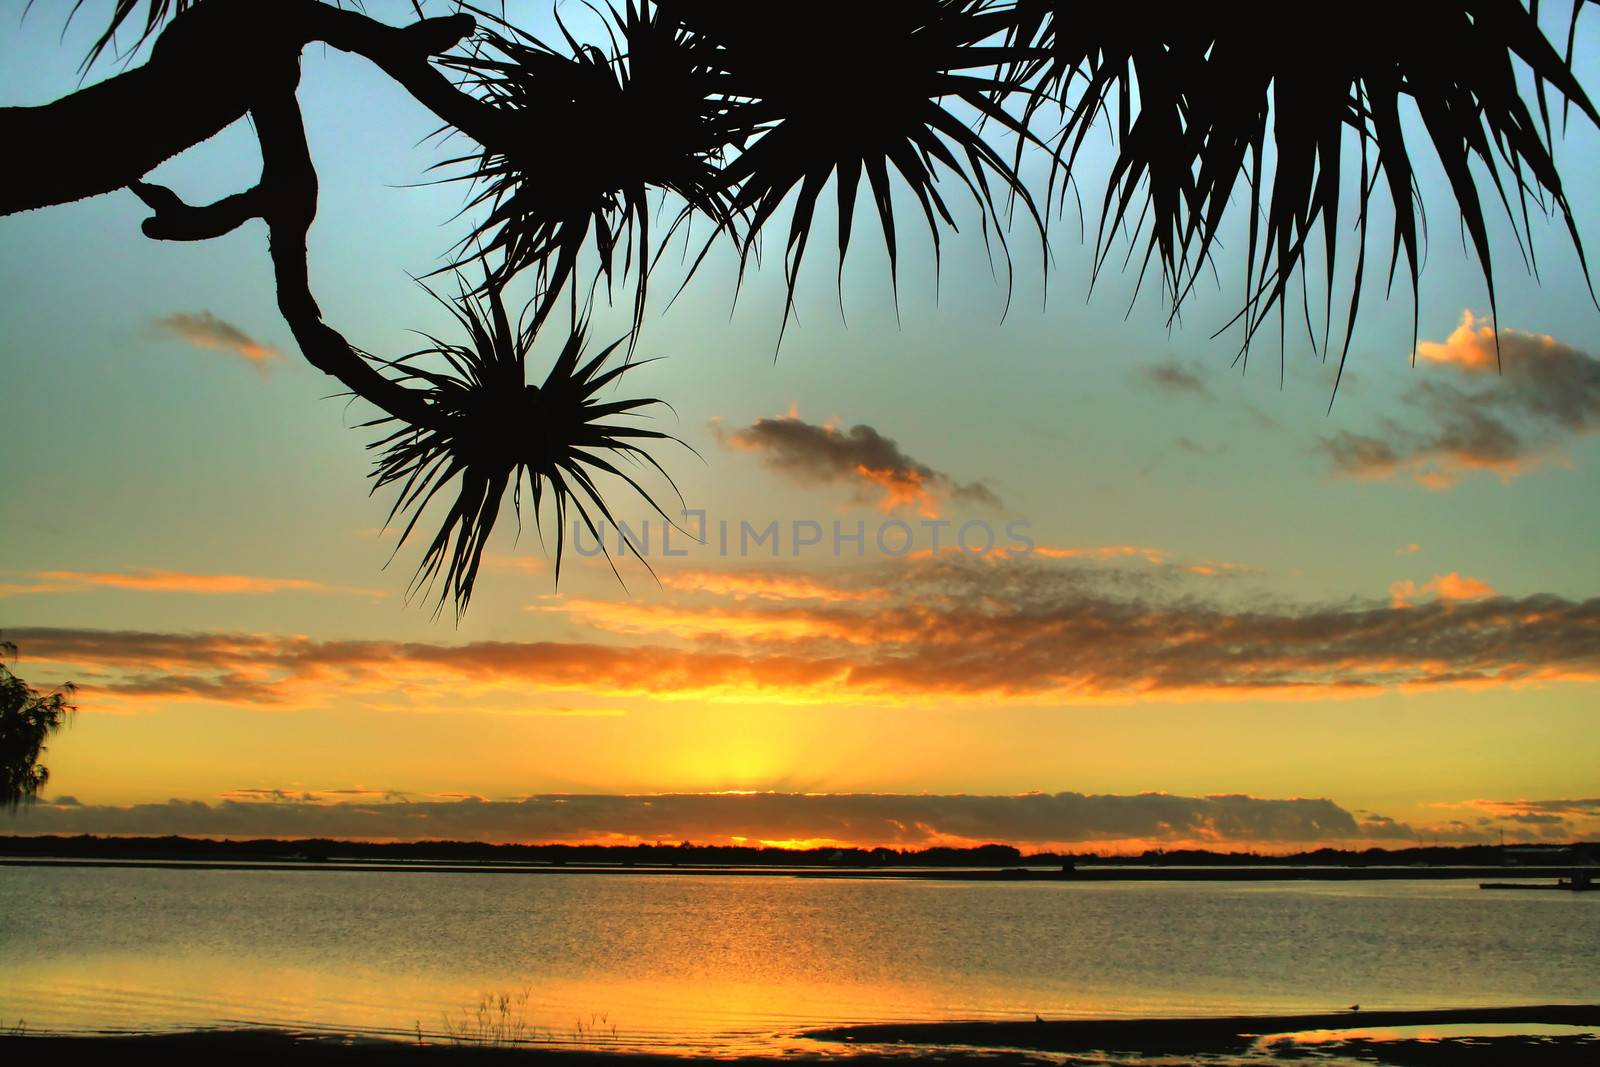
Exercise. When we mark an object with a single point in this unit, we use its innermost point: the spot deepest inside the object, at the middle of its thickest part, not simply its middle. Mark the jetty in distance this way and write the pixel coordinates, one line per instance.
(1580, 881)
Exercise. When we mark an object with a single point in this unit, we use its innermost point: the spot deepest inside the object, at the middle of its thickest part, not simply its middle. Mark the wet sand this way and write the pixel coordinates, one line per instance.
(1221, 1034)
(1535, 1035)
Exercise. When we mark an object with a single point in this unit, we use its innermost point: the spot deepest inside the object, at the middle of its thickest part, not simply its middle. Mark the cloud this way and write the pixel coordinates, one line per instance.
(953, 629)
(1471, 345)
(1536, 820)
(159, 581)
(204, 330)
(309, 796)
(1588, 807)
(1173, 377)
(763, 585)
(1100, 552)
(1443, 586)
(860, 458)
(1475, 419)
(862, 819)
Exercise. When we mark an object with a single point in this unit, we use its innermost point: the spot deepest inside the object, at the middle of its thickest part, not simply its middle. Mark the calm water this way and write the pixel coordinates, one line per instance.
(713, 960)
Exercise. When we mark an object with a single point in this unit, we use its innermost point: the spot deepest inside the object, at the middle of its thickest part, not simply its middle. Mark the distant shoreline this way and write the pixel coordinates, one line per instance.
(688, 854)
(1190, 1034)
(1082, 875)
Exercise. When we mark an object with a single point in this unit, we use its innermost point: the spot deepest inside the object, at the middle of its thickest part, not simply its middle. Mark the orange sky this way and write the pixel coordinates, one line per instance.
(969, 541)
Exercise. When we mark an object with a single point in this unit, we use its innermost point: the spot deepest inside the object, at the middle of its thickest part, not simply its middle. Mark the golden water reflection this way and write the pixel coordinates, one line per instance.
(642, 961)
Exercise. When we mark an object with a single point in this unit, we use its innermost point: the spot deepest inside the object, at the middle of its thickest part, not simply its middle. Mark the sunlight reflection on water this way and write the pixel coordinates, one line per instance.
(729, 960)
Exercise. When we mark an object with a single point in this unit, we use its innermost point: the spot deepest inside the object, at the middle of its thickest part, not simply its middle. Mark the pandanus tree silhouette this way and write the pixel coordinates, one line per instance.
(733, 109)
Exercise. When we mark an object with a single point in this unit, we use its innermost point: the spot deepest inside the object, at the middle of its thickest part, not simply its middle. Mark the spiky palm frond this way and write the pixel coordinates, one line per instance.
(1211, 90)
(156, 13)
(589, 135)
(840, 88)
(494, 431)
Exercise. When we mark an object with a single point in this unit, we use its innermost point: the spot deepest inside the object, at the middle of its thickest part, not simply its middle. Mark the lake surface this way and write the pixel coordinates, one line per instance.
(719, 961)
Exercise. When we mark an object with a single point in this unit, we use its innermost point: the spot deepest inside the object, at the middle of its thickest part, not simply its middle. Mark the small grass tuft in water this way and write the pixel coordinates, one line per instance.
(599, 1028)
(500, 1019)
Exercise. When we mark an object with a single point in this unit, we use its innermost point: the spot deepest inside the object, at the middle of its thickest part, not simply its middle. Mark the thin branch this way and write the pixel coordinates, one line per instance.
(288, 194)
(176, 221)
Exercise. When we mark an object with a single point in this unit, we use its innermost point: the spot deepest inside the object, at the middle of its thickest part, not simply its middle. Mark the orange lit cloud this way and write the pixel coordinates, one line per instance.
(766, 624)
(1471, 344)
(950, 629)
(1100, 552)
(1473, 420)
(763, 585)
(1450, 586)
(860, 458)
(1526, 820)
(205, 330)
(159, 581)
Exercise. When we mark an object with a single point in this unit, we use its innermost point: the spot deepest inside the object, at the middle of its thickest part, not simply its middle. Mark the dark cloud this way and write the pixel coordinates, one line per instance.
(894, 820)
(1477, 419)
(861, 458)
(1174, 378)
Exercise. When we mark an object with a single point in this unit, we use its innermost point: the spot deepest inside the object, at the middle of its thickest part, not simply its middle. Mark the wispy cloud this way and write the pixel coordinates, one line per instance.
(748, 584)
(860, 819)
(1534, 820)
(202, 329)
(1101, 552)
(860, 458)
(160, 581)
(1174, 377)
(1473, 419)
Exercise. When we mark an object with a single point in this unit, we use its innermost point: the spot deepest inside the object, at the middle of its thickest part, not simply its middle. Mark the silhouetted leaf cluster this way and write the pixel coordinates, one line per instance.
(1215, 83)
(495, 432)
(28, 719)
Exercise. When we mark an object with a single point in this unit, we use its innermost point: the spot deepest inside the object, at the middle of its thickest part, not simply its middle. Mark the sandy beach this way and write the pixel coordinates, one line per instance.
(1555, 1035)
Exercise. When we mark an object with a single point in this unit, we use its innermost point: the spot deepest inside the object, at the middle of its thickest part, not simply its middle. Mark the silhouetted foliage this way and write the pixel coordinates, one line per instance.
(591, 135)
(725, 111)
(28, 719)
(496, 431)
(1210, 91)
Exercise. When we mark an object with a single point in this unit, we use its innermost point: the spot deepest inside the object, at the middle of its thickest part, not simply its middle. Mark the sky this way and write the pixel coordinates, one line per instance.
(1176, 597)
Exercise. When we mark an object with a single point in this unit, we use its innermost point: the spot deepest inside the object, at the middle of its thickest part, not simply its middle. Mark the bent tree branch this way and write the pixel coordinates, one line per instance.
(199, 80)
